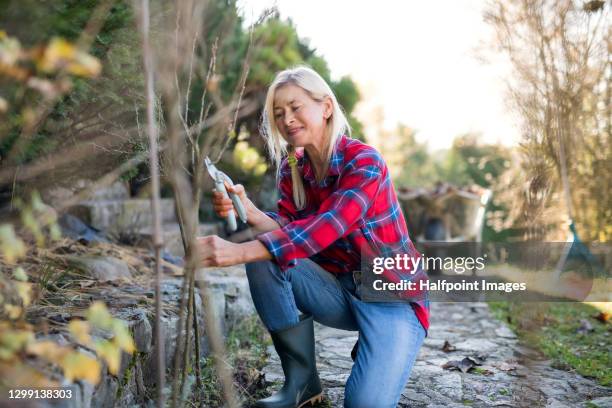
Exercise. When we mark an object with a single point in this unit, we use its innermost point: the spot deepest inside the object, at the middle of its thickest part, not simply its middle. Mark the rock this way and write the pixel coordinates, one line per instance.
(76, 401)
(476, 345)
(105, 393)
(74, 228)
(56, 196)
(413, 396)
(229, 291)
(450, 385)
(173, 243)
(169, 331)
(431, 386)
(116, 191)
(102, 268)
(505, 331)
(122, 216)
(141, 330)
(553, 403)
(87, 391)
(603, 402)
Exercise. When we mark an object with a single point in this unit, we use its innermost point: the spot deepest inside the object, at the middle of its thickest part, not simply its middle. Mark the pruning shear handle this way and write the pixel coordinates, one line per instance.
(220, 179)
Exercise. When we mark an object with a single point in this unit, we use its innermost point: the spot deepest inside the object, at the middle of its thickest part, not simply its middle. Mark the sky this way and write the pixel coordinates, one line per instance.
(417, 60)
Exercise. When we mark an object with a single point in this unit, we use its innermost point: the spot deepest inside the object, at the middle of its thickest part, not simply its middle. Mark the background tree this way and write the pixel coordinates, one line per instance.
(108, 112)
(560, 51)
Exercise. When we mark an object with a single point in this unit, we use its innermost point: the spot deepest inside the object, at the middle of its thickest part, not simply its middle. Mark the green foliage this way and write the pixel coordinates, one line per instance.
(554, 329)
(276, 46)
(246, 345)
(467, 162)
(277, 50)
(418, 168)
(64, 20)
(34, 22)
(347, 93)
(479, 164)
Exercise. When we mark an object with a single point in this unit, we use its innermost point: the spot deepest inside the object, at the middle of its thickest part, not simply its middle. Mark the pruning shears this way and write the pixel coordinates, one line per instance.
(220, 178)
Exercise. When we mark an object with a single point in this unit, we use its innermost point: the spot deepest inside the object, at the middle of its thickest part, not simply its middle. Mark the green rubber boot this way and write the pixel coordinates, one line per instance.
(295, 347)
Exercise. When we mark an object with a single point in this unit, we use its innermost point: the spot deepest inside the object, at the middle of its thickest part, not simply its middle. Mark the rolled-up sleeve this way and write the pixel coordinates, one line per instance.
(338, 216)
(282, 221)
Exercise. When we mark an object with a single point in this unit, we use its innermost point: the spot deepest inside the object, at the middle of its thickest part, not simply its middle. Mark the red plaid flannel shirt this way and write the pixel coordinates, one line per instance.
(354, 211)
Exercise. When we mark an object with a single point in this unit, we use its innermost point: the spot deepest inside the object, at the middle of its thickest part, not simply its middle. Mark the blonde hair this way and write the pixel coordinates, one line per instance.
(337, 124)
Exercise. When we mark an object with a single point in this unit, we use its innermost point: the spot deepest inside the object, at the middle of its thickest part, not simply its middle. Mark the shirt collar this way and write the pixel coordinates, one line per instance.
(335, 164)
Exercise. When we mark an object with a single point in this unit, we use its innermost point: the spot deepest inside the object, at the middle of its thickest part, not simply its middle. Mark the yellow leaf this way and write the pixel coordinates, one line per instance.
(60, 54)
(20, 274)
(80, 330)
(85, 65)
(14, 340)
(37, 203)
(12, 311)
(123, 338)
(55, 232)
(10, 51)
(55, 55)
(110, 353)
(11, 247)
(48, 350)
(24, 290)
(78, 366)
(99, 316)
(32, 224)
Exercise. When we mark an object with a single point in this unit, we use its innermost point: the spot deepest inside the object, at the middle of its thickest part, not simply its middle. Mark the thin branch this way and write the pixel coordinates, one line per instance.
(155, 196)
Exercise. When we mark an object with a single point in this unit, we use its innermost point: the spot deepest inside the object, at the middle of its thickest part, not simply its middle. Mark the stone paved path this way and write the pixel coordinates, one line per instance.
(511, 376)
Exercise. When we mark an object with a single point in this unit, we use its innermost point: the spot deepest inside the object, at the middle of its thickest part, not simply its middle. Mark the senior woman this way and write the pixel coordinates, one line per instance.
(336, 203)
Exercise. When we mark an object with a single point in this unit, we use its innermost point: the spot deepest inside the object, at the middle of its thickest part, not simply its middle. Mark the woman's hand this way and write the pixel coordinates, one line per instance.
(223, 205)
(215, 251)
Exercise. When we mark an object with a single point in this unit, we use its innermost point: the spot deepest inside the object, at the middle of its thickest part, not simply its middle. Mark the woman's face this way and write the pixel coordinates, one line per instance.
(300, 119)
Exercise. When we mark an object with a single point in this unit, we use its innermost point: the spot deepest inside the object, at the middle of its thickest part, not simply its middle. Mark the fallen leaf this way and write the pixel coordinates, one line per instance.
(603, 317)
(478, 359)
(447, 347)
(464, 365)
(507, 366)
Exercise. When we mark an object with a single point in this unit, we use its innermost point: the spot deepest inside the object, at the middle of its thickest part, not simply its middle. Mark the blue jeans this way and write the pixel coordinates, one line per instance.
(390, 334)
